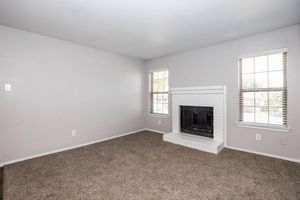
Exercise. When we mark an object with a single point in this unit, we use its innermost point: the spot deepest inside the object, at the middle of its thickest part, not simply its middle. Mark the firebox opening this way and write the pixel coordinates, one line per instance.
(197, 120)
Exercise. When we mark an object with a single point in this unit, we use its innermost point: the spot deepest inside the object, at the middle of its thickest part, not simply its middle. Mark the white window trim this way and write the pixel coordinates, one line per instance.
(263, 126)
(159, 115)
(263, 53)
(269, 127)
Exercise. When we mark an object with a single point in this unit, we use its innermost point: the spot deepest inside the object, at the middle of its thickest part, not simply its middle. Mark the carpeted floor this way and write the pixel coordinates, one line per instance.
(142, 166)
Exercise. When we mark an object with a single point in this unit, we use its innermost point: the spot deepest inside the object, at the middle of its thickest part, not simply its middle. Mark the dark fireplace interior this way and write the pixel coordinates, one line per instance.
(197, 120)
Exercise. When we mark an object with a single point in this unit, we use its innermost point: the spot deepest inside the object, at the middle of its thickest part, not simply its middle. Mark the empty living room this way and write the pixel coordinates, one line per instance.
(149, 99)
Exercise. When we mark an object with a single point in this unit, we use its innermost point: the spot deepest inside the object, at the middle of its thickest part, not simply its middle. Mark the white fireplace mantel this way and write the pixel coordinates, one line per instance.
(210, 96)
(198, 90)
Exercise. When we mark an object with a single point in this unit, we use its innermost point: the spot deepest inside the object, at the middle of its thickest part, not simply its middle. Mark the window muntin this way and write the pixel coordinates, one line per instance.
(159, 92)
(263, 89)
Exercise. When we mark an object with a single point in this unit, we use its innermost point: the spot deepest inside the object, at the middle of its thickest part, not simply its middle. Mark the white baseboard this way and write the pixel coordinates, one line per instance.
(124, 134)
(241, 149)
(67, 148)
(156, 131)
(264, 154)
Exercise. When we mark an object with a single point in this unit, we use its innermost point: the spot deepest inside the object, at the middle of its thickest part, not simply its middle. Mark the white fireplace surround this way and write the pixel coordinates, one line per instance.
(209, 96)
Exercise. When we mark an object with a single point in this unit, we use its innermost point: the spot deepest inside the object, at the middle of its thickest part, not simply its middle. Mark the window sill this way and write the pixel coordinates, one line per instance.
(158, 115)
(264, 127)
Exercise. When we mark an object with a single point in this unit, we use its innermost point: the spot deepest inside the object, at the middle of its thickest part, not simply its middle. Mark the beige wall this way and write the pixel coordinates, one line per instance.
(58, 86)
(217, 65)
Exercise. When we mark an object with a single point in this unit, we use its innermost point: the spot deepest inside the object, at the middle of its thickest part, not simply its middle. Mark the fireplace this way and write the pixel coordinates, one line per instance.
(197, 120)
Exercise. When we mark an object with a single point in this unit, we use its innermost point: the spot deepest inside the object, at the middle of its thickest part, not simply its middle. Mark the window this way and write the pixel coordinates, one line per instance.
(159, 92)
(263, 89)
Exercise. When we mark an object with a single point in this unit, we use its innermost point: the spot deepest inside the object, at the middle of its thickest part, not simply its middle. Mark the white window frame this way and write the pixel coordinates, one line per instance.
(162, 115)
(271, 127)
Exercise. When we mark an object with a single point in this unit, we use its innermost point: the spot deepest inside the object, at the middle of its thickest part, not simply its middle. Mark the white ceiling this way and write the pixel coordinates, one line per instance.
(148, 28)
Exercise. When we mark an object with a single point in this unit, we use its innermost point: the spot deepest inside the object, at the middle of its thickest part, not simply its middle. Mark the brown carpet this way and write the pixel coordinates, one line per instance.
(142, 166)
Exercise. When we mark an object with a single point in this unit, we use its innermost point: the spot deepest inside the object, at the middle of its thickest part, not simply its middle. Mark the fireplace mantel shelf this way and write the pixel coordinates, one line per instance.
(194, 90)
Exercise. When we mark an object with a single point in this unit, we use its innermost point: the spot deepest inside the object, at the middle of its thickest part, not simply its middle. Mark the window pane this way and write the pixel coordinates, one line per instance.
(155, 75)
(161, 75)
(261, 98)
(155, 98)
(275, 62)
(159, 99)
(155, 86)
(247, 65)
(261, 75)
(159, 108)
(261, 80)
(248, 98)
(261, 64)
(276, 79)
(261, 114)
(248, 81)
(248, 114)
(275, 99)
(165, 98)
(276, 116)
(154, 108)
(160, 85)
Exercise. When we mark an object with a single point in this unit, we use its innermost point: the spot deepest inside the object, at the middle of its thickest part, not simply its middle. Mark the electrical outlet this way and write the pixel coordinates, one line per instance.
(283, 141)
(7, 87)
(258, 137)
(159, 122)
(74, 133)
